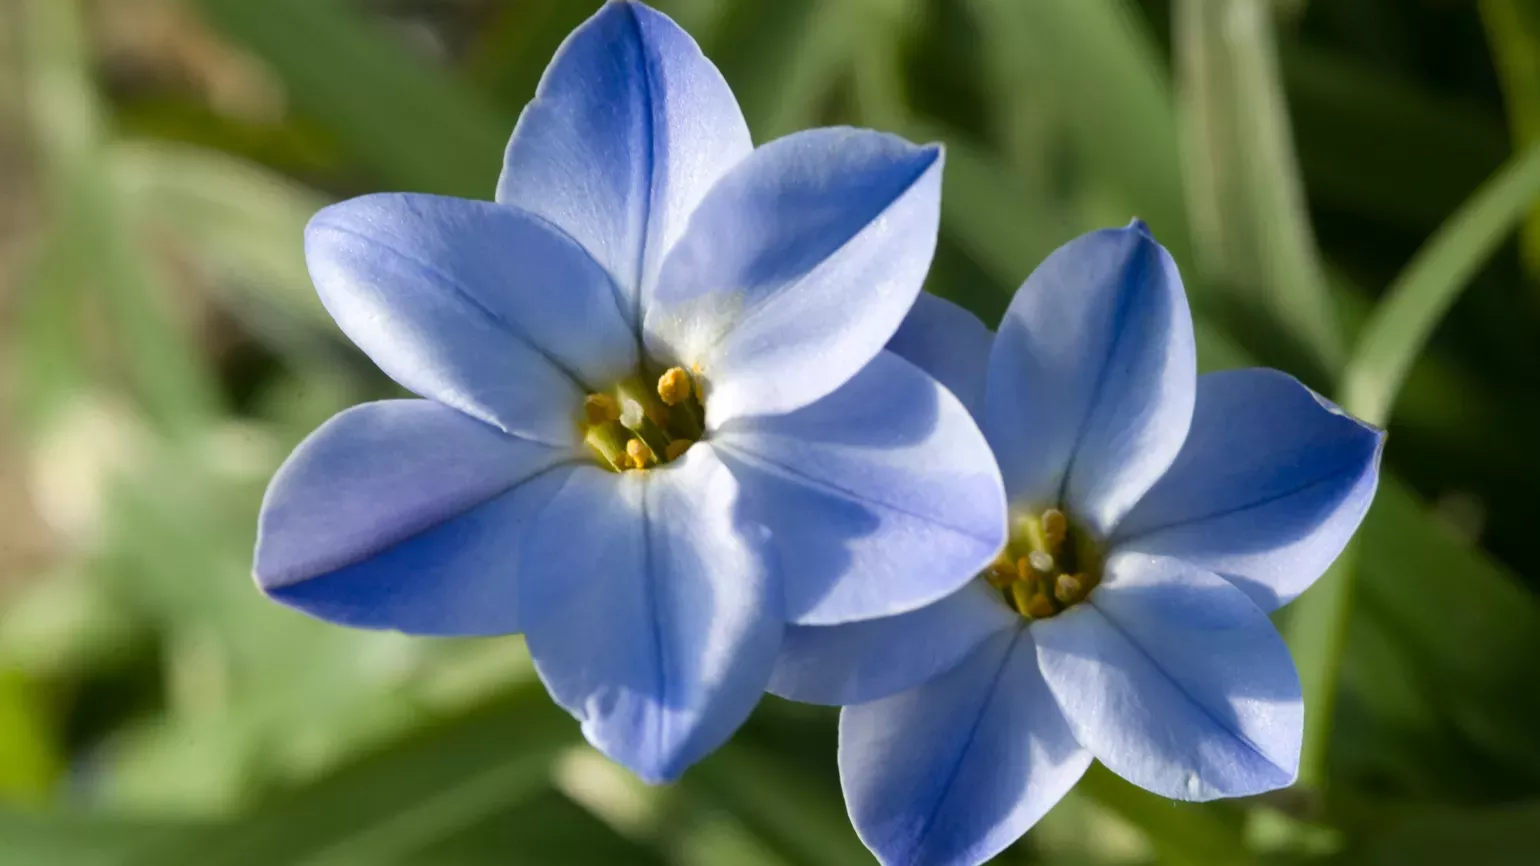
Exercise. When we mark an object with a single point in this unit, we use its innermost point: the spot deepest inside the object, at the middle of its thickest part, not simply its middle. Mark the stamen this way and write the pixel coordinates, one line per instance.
(675, 386)
(1041, 561)
(1048, 567)
(608, 440)
(1001, 574)
(600, 408)
(1067, 588)
(676, 449)
(639, 422)
(1055, 528)
(1022, 595)
(641, 456)
(685, 420)
(1040, 607)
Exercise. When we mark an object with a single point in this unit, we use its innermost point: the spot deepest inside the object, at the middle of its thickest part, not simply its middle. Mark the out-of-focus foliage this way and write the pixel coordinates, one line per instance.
(1343, 183)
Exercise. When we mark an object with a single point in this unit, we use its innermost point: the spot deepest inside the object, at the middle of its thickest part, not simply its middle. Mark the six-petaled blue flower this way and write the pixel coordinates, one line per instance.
(660, 423)
(1157, 517)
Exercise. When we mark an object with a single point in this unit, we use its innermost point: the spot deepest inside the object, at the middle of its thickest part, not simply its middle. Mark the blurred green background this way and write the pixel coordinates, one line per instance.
(1347, 185)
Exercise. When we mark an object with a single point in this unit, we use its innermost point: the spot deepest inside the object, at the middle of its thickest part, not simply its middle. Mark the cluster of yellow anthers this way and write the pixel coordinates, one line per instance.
(1045, 568)
(636, 427)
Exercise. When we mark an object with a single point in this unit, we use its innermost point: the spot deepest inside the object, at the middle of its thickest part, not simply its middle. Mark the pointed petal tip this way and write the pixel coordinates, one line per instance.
(1140, 226)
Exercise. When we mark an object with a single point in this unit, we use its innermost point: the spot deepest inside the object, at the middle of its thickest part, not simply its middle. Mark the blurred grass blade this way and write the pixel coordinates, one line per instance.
(1345, 108)
(64, 839)
(29, 759)
(241, 223)
(1513, 29)
(791, 812)
(1180, 833)
(1475, 651)
(1317, 633)
(411, 123)
(1244, 189)
(1095, 66)
(512, 49)
(783, 59)
(1436, 835)
(1414, 304)
(401, 801)
(158, 358)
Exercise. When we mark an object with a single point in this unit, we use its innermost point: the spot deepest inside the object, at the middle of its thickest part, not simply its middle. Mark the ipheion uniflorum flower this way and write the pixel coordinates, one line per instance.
(658, 421)
(1157, 517)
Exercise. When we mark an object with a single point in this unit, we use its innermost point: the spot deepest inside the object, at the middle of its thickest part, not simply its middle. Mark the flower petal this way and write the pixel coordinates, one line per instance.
(1092, 376)
(631, 125)
(863, 661)
(1272, 482)
(654, 620)
(956, 770)
(950, 344)
(797, 268)
(481, 307)
(403, 514)
(1176, 681)
(880, 498)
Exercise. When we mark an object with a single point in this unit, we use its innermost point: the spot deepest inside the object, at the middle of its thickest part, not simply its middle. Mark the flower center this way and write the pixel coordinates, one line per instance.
(1047, 567)
(632, 426)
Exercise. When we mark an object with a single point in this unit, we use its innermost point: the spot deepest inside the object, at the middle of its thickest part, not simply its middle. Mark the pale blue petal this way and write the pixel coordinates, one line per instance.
(654, 619)
(951, 773)
(1272, 482)
(863, 661)
(481, 307)
(1176, 681)
(797, 268)
(404, 515)
(950, 344)
(880, 498)
(631, 125)
(1092, 377)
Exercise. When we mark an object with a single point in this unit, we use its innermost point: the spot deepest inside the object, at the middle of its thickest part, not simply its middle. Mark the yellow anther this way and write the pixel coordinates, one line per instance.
(1067, 588)
(674, 386)
(1023, 569)
(1055, 528)
(1039, 607)
(600, 408)
(675, 449)
(640, 454)
(1000, 574)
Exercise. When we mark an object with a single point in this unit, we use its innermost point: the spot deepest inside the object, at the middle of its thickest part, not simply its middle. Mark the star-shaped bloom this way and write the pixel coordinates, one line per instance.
(1157, 518)
(659, 421)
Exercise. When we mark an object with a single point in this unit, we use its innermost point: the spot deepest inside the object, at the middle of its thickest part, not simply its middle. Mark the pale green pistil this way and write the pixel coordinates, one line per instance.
(1047, 567)
(634, 427)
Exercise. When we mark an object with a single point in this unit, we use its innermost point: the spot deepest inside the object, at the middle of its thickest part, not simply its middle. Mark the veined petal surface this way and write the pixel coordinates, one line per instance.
(655, 619)
(1176, 681)
(857, 662)
(630, 126)
(481, 307)
(1272, 482)
(950, 344)
(879, 498)
(1091, 379)
(952, 772)
(404, 514)
(797, 268)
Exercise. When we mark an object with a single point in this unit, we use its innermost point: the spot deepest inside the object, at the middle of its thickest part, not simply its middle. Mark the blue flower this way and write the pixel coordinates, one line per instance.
(659, 421)
(1157, 518)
